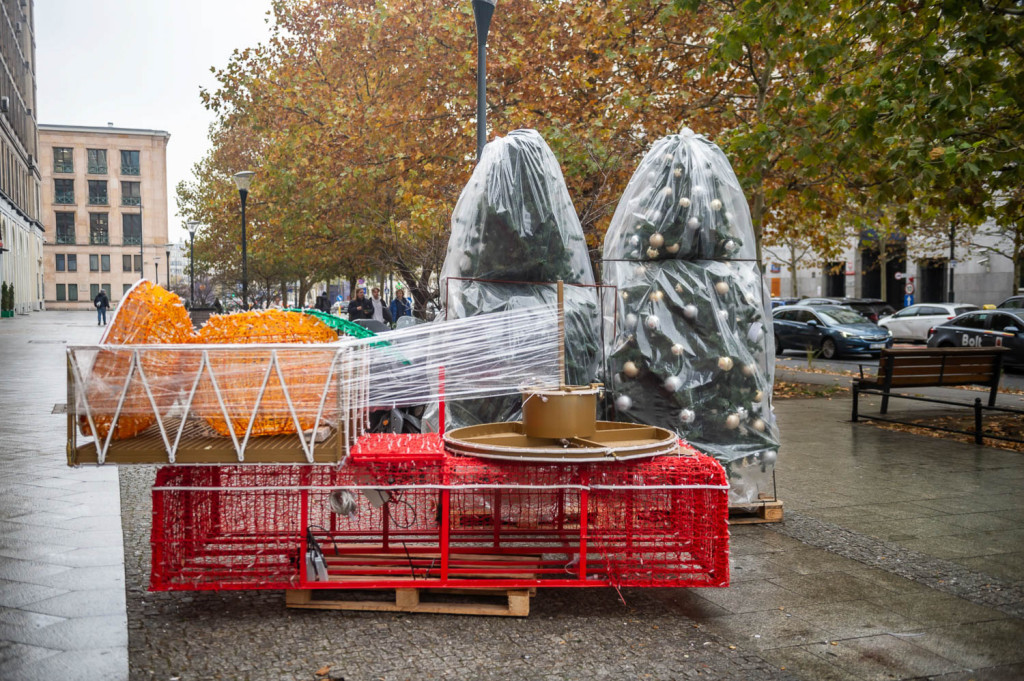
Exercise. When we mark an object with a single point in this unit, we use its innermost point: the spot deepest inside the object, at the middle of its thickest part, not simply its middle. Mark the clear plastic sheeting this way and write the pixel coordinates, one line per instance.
(692, 344)
(682, 203)
(514, 220)
(583, 336)
(229, 390)
(514, 233)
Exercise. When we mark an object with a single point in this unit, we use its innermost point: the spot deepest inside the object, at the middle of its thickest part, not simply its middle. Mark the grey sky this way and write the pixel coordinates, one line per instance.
(140, 64)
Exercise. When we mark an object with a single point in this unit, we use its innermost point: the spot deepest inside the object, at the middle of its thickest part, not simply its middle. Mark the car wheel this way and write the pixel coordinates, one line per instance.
(779, 350)
(945, 344)
(828, 349)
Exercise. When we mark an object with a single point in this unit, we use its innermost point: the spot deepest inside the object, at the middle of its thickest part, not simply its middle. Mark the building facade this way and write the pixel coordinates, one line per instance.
(21, 230)
(917, 270)
(104, 209)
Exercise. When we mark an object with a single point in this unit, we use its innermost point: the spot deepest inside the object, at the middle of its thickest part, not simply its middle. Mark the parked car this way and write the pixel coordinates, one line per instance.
(1012, 303)
(914, 321)
(984, 328)
(872, 308)
(779, 302)
(833, 330)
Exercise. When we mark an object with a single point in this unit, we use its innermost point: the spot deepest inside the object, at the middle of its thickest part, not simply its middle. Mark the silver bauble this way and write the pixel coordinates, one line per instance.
(652, 322)
(673, 383)
(756, 332)
(656, 296)
(723, 315)
(623, 403)
(634, 241)
(690, 311)
(725, 363)
(667, 192)
(631, 320)
(716, 204)
(748, 369)
(678, 349)
(684, 202)
(693, 223)
(769, 457)
(687, 416)
(730, 246)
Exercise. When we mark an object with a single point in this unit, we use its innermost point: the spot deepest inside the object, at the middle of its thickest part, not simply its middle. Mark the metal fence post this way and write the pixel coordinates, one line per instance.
(977, 421)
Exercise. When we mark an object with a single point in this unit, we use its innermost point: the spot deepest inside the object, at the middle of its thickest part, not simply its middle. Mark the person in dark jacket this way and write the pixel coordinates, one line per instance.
(102, 303)
(400, 306)
(360, 307)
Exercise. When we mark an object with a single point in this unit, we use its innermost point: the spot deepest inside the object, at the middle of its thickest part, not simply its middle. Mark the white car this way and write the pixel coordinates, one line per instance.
(912, 323)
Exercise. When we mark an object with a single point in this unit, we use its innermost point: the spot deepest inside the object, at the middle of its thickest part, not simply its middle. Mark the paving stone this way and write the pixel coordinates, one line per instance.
(883, 657)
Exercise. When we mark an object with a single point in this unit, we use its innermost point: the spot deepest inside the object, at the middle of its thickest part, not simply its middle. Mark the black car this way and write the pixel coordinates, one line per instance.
(872, 308)
(984, 328)
(833, 330)
(1012, 303)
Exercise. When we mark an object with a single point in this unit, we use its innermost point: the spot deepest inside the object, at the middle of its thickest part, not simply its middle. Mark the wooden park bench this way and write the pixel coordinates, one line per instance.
(903, 368)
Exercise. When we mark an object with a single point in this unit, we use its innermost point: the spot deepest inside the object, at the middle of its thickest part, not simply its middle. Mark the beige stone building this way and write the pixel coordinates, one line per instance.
(104, 208)
(21, 231)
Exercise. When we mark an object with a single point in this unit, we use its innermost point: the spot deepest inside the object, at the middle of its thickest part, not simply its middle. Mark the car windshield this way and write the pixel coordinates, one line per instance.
(838, 315)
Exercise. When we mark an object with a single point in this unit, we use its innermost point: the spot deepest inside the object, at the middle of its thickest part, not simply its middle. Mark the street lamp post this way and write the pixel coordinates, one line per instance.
(156, 270)
(192, 226)
(242, 180)
(952, 260)
(142, 252)
(483, 10)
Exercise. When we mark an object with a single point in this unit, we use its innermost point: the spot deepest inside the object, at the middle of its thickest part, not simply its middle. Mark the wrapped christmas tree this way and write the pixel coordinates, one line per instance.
(692, 350)
(515, 233)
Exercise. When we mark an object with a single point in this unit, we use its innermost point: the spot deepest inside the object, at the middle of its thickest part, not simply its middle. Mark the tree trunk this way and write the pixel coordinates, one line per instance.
(883, 266)
(284, 294)
(792, 270)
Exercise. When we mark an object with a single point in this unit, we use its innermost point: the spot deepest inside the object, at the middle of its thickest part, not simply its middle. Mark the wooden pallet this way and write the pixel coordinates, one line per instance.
(412, 600)
(761, 511)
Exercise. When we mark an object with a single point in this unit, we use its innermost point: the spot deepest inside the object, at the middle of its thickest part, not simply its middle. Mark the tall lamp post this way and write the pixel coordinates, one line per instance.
(142, 246)
(242, 180)
(483, 10)
(156, 270)
(192, 226)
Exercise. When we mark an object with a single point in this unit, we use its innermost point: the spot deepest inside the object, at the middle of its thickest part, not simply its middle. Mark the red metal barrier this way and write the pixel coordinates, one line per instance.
(443, 522)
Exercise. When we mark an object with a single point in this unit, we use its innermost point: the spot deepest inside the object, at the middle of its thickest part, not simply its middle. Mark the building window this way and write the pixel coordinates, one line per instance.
(63, 160)
(64, 192)
(94, 290)
(61, 292)
(138, 263)
(98, 192)
(99, 232)
(97, 161)
(104, 263)
(129, 163)
(73, 292)
(94, 263)
(126, 263)
(65, 228)
(131, 229)
(60, 262)
(124, 289)
(72, 262)
(131, 194)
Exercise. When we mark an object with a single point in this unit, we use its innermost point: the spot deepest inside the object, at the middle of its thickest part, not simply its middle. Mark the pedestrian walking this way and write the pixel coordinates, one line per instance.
(400, 306)
(360, 307)
(380, 311)
(102, 303)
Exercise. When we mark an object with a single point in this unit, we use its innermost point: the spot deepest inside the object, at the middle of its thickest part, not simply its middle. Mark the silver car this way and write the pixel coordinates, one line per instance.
(912, 322)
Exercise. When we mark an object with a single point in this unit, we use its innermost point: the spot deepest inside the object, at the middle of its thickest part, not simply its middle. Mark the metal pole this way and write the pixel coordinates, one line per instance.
(952, 260)
(192, 269)
(142, 241)
(167, 268)
(244, 194)
(483, 10)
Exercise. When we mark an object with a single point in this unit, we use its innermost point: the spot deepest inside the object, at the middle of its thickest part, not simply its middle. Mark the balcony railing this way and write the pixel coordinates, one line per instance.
(68, 239)
(99, 240)
(129, 240)
(63, 167)
(64, 198)
(97, 199)
(131, 201)
(129, 170)
(96, 169)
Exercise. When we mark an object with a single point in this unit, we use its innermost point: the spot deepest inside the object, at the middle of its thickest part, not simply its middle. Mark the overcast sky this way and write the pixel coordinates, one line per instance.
(140, 64)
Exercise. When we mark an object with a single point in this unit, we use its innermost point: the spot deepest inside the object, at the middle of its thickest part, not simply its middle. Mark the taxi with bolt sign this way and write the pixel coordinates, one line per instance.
(984, 328)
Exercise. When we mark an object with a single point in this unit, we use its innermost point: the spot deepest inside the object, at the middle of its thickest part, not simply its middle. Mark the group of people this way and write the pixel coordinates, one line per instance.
(373, 307)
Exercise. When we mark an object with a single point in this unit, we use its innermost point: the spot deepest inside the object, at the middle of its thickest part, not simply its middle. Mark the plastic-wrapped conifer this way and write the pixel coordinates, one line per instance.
(514, 233)
(692, 349)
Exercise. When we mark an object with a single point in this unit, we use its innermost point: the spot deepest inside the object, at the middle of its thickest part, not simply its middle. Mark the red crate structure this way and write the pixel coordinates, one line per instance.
(425, 519)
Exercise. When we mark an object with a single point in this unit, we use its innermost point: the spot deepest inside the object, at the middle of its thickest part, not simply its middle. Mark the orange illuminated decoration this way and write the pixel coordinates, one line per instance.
(147, 314)
(243, 374)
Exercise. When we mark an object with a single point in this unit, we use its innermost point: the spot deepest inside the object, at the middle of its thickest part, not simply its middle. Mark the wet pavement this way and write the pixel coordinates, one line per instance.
(62, 597)
(901, 557)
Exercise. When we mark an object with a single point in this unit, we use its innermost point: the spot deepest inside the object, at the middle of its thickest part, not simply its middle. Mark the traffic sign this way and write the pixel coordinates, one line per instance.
(908, 289)
(899, 275)
(908, 300)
